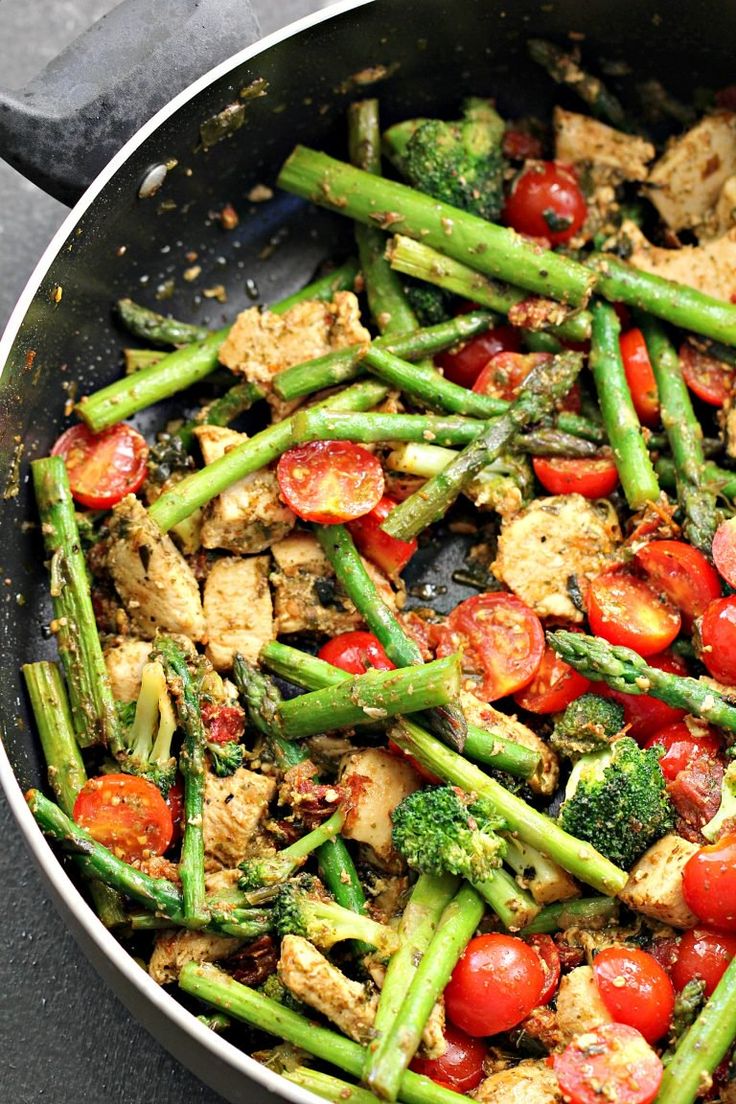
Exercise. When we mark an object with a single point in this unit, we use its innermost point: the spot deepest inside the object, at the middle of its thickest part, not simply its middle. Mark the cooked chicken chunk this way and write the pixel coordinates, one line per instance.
(234, 810)
(237, 609)
(581, 140)
(580, 1006)
(531, 1082)
(125, 662)
(154, 581)
(551, 540)
(483, 715)
(710, 267)
(173, 949)
(380, 781)
(314, 980)
(655, 882)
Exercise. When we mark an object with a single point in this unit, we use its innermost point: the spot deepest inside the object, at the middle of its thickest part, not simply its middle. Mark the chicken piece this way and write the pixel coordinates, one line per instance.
(237, 609)
(173, 949)
(307, 598)
(580, 1006)
(434, 1043)
(483, 715)
(314, 980)
(154, 581)
(249, 516)
(531, 1082)
(727, 420)
(655, 883)
(125, 662)
(551, 540)
(709, 267)
(234, 808)
(378, 781)
(219, 882)
(613, 155)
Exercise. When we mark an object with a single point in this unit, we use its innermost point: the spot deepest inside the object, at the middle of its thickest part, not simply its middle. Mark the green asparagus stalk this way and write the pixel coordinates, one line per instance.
(544, 385)
(222, 411)
(157, 328)
(622, 669)
(327, 425)
(429, 386)
(585, 912)
(564, 68)
(323, 288)
(217, 1022)
(696, 499)
(135, 359)
(619, 416)
(541, 341)
(277, 868)
(329, 1088)
(555, 442)
(337, 871)
(93, 708)
(716, 480)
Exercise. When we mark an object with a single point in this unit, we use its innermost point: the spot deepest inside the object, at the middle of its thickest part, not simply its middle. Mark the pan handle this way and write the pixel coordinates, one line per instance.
(66, 124)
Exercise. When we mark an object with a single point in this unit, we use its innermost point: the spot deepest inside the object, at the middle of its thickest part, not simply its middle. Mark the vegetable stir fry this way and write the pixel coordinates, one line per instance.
(398, 852)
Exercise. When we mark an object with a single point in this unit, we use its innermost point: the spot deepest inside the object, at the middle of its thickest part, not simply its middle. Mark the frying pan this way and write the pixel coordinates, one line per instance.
(125, 238)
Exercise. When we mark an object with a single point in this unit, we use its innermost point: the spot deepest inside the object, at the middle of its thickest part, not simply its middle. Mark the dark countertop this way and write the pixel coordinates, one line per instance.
(64, 1037)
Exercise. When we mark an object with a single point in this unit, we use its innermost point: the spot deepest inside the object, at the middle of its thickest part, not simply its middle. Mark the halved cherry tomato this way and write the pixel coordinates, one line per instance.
(553, 687)
(703, 955)
(625, 610)
(613, 1062)
(356, 652)
(126, 814)
(635, 990)
(504, 642)
(386, 552)
(103, 467)
(709, 883)
(504, 373)
(546, 948)
(594, 478)
(545, 201)
(330, 481)
(644, 714)
(461, 1066)
(682, 747)
(463, 365)
(640, 377)
(718, 636)
(724, 551)
(710, 379)
(682, 573)
(495, 985)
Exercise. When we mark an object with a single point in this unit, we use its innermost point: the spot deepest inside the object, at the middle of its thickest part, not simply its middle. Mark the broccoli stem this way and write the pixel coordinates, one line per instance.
(564, 68)
(214, 987)
(222, 411)
(277, 868)
(92, 705)
(514, 907)
(157, 328)
(398, 1045)
(585, 912)
(255, 453)
(326, 425)
(429, 386)
(545, 384)
(715, 480)
(330, 1088)
(617, 408)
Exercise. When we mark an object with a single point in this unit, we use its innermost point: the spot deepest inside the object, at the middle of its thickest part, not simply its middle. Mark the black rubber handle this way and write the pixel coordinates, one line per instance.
(63, 127)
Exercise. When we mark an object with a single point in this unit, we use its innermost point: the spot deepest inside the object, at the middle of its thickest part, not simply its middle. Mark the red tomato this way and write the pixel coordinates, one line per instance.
(461, 1066)
(724, 551)
(103, 467)
(710, 379)
(635, 990)
(330, 481)
(388, 553)
(520, 146)
(612, 1063)
(504, 642)
(463, 365)
(703, 955)
(495, 985)
(504, 373)
(594, 478)
(175, 801)
(553, 687)
(356, 652)
(709, 883)
(640, 377)
(682, 747)
(546, 948)
(644, 714)
(682, 573)
(223, 723)
(546, 202)
(126, 814)
(718, 636)
(625, 610)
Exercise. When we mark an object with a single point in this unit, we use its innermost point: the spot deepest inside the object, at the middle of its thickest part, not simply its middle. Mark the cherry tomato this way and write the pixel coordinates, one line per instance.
(643, 713)
(103, 467)
(330, 481)
(594, 478)
(546, 948)
(386, 552)
(504, 642)
(710, 379)
(553, 687)
(682, 573)
(625, 610)
(682, 747)
(635, 990)
(463, 365)
(546, 202)
(613, 1062)
(709, 883)
(495, 985)
(356, 652)
(724, 551)
(703, 955)
(640, 377)
(223, 723)
(460, 1067)
(718, 636)
(504, 373)
(126, 814)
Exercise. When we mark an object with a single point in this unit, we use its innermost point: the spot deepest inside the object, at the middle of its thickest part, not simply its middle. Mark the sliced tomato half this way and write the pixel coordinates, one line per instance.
(126, 814)
(682, 573)
(388, 553)
(594, 478)
(612, 1062)
(103, 467)
(330, 481)
(553, 687)
(710, 379)
(625, 610)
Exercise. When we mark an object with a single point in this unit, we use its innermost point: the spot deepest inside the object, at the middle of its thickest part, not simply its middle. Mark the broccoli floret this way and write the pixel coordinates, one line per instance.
(225, 758)
(458, 162)
(589, 723)
(438, 831)
(273, 869)
(431, 305)
(725, 818)
(274, 989)
(149, 735)
(616, 799)
(300, 910)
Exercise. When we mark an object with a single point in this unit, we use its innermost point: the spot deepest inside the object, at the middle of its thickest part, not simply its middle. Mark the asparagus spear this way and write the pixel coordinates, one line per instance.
(93, 708)
(329, 1088)
(222, 411)
(716, 480)
(157, 328)
(327, 425)
(585, 912)
(430, 386)
(135, 359)
(564, 68)
(544, 385)
(622, 669)
(619, 416)
(324, 287)
(514, 907)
